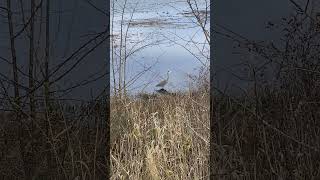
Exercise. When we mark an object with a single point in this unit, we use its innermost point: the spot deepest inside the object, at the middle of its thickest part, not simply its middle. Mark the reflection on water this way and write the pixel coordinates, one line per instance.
(167, 34)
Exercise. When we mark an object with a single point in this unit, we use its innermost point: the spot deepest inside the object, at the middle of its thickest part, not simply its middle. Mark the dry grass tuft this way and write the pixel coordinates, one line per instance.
(162, 137)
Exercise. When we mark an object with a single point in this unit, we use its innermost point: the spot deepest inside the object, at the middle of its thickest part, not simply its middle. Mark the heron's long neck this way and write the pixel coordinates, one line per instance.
(167, 76)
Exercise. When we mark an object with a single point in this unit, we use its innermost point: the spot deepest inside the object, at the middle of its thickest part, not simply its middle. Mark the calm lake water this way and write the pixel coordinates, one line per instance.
(168, 26)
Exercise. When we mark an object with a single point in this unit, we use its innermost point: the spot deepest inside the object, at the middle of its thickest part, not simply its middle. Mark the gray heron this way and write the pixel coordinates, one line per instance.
(164, 82)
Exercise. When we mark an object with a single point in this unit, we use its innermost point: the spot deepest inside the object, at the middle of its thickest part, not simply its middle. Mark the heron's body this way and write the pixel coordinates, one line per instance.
(163, 82)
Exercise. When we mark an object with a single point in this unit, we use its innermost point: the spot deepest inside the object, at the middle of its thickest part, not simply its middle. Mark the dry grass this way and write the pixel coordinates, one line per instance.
(272, 136)
(161, 137)
(76, 145)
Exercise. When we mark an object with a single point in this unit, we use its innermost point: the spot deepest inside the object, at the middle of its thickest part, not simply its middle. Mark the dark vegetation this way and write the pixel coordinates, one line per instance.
(273, 131)
(45, 132)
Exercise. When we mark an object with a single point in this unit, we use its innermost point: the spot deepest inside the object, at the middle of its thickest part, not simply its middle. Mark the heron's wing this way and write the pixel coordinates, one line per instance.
(162, 83)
